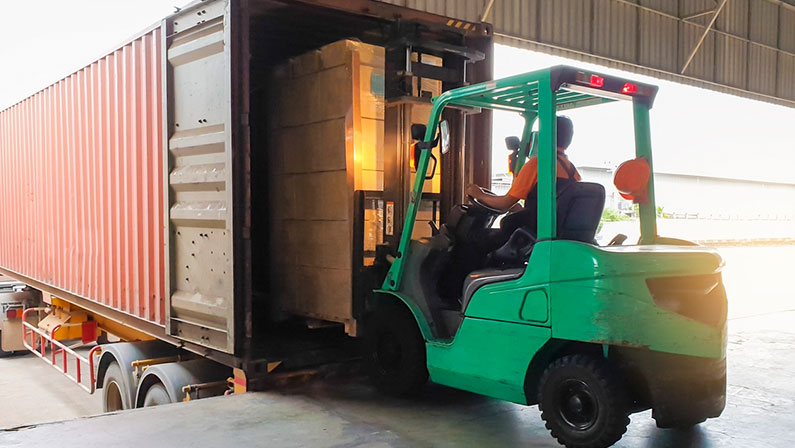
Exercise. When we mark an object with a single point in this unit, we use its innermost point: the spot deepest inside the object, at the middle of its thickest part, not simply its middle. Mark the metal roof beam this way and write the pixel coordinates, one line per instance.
(703, 36)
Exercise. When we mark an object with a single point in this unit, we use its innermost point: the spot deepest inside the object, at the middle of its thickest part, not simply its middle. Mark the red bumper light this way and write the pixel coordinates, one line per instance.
(11, 314)
(629, 88)
(597, 81)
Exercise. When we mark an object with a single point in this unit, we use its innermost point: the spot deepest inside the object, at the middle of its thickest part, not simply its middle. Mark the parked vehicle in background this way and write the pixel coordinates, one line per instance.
(14, 298)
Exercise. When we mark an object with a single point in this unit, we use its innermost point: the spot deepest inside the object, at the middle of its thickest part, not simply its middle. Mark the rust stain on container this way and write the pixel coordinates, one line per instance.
(82, 182)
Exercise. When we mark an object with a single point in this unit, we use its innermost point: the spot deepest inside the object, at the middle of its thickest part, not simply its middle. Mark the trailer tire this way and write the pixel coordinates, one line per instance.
(582, 402)
(156, 395)
(395, 351)
(113, 389)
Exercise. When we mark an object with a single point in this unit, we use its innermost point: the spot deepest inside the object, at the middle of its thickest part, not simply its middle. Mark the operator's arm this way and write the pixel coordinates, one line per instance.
(504, 202)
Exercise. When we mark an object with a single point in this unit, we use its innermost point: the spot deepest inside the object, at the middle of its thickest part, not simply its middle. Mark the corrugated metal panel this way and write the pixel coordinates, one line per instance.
(652, 37)
(786, 40)
(658, 38)
(734, 17)
(763, 22)
(566, 23)
(731, 56)
(760, 77)
(786, 76)
(614, 31)
(703, 64)
(517, 18)
(82, 167)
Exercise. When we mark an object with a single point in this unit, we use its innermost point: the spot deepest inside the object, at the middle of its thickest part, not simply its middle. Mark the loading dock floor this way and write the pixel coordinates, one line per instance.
(338, 412)
(347, 412)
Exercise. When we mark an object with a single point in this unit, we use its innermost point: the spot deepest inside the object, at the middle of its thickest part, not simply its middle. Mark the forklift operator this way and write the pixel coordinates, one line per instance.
(524, 186)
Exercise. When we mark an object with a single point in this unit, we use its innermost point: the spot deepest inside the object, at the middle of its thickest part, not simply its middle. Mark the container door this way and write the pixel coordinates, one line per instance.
(202, 128)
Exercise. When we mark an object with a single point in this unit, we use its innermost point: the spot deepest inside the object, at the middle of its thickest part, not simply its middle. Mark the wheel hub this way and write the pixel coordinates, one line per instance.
(577, 405)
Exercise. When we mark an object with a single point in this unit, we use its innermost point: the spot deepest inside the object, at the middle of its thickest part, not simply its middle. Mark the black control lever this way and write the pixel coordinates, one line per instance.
(434, 229)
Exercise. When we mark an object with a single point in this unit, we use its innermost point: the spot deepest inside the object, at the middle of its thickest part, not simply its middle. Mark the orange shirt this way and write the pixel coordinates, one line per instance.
(528, 175)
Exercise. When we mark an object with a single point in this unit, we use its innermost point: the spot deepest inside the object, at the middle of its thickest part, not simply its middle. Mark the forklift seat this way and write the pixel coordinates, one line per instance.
(580, 206)
(478, 279)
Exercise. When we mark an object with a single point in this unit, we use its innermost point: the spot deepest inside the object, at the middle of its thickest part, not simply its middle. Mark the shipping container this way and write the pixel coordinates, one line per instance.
(145, 190)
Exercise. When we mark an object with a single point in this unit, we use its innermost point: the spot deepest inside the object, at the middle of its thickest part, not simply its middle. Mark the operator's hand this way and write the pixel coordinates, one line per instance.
(473, 191)
(515, 208)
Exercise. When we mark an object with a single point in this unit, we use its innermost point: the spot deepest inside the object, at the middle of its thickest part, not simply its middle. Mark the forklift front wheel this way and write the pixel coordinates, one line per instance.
(582, 403)
(395, 351)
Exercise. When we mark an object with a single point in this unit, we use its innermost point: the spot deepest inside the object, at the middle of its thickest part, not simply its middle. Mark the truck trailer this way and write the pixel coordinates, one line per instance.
(157, 186)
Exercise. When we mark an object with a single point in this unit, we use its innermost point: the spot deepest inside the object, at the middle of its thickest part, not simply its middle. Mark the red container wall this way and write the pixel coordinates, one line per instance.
(82, 182)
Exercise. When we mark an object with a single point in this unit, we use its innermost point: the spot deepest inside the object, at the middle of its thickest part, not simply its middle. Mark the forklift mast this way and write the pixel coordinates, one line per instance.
(419, 65)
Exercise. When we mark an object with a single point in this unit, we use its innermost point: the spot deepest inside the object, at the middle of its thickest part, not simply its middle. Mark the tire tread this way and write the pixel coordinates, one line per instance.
(619, 418)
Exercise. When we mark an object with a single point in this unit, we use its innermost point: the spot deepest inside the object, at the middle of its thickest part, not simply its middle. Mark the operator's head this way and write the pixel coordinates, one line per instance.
(565, 131)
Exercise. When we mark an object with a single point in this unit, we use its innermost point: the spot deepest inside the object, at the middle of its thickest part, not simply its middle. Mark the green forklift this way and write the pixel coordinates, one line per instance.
(589, 333)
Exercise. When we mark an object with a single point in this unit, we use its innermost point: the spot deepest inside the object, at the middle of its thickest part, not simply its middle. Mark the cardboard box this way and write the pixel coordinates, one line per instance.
(326, 130)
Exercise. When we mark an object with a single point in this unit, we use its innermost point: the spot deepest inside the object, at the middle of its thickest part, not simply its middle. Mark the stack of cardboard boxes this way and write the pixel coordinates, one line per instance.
(326, 141)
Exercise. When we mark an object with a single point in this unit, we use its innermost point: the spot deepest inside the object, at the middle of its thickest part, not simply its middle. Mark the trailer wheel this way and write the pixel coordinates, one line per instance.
(156, 395)
(112, 387)
(582, 402)
(4, 354)
(395, 351)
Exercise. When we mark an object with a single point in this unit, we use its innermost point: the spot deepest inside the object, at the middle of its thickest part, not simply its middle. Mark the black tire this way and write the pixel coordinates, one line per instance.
(4, 354)
(395, 351)
(114, 394)
(156, 396)
(582, 403)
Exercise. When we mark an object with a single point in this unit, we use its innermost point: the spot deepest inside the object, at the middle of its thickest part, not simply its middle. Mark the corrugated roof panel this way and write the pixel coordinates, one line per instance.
(615, 31)
(760, 76)
(658, 41)
(566, 23)
(733, 19)
(665, 6)
(787, 30)
(731, 61)
(764, 22)
(786, 76)
(517, 18)
(690, 7)
(703, 63)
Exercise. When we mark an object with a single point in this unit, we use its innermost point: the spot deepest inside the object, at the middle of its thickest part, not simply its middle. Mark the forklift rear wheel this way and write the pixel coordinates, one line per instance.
(395, 351)
(582, 402)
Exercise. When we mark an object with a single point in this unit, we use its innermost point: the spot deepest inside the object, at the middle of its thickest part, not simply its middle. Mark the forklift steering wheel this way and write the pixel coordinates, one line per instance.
(485, 207)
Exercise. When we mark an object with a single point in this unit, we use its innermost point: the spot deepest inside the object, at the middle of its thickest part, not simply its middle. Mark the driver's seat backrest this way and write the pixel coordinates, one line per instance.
(580, 206)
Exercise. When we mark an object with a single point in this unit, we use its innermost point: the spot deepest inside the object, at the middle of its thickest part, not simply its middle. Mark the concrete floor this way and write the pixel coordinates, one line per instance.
(347, 412)
(33, 392)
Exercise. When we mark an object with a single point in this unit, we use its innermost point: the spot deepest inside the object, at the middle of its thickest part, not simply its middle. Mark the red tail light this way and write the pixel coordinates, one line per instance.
(629, 88)
(597, 81)
(11, 314)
